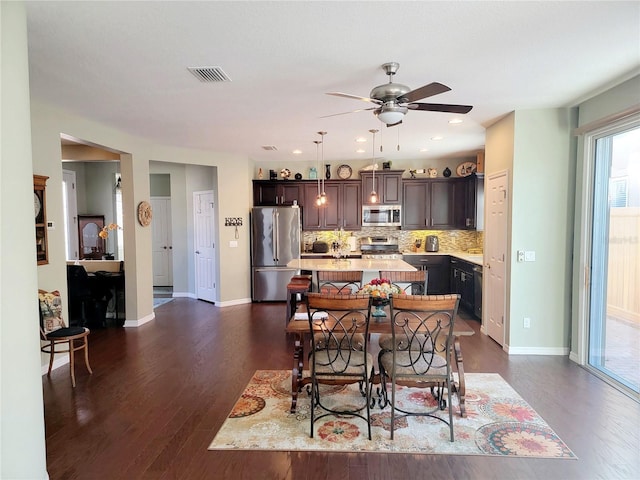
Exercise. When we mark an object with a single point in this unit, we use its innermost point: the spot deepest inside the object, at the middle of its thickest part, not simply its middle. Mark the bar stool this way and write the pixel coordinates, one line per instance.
(299, 284)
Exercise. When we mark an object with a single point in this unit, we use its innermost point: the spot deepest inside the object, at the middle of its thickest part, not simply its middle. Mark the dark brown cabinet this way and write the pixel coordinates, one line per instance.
(343, 207)
(474, 207)
(278, 192)
(388, 186)
(437, 267)
(438, 204)
(462, 282)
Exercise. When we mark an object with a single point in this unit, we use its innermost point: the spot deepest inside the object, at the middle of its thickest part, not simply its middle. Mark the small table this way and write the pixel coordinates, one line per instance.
(300, 328)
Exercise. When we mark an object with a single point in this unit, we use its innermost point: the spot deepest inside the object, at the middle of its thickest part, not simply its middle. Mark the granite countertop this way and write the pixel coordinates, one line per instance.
(357, 253)
(475, 258)
(361, 264)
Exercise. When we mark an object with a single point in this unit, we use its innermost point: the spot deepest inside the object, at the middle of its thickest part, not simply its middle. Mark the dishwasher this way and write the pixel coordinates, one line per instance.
(477, 291)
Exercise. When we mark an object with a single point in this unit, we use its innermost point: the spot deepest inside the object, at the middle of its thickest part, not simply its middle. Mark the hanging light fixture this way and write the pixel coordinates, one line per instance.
(323, 195)
(318, 197)
(373, 197)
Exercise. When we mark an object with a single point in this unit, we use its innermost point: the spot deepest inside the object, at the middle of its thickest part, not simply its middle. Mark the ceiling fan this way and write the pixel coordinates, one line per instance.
(393, 100)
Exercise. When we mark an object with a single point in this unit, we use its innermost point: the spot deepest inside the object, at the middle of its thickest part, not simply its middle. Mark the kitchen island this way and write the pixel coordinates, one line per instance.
(365, 265)
(370, 267)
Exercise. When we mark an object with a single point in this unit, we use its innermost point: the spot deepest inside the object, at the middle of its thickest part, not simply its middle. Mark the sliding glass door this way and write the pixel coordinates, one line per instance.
(614, 291)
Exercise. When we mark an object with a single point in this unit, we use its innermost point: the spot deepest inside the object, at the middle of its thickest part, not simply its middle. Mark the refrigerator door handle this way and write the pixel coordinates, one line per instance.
(276, 228)
(274, 234)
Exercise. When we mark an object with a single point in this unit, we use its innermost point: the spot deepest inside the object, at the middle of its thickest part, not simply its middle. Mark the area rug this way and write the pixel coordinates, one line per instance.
(498, 422)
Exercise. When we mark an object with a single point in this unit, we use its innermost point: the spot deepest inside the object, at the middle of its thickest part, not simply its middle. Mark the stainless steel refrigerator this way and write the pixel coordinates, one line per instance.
(275, 240)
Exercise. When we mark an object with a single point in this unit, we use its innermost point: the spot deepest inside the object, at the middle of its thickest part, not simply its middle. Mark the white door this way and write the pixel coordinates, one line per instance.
(495, 255)
(162, 243)
(205, 260)
(70, 200)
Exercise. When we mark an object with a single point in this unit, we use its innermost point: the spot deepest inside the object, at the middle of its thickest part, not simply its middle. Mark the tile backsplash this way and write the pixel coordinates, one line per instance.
(450, 240)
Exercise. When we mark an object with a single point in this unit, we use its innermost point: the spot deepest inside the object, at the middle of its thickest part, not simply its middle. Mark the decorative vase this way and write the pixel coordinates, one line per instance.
(446, 172)
(327, 171)
(313, 173)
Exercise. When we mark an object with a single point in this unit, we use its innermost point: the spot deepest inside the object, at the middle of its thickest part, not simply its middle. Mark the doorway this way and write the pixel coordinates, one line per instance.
(614, 258)
(205, 257)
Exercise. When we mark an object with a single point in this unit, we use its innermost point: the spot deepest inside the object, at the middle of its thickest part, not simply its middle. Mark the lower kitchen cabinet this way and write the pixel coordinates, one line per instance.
(437, 267)
(462, 282)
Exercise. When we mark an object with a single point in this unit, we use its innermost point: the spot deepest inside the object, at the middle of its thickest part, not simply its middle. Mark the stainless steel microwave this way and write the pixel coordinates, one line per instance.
(381, 216)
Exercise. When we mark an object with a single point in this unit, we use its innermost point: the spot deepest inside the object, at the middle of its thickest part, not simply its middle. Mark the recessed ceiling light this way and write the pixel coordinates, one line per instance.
(360, 150)
(453, 121)
(297, 152)
(438, 137)
(361, 140)
(424, 149)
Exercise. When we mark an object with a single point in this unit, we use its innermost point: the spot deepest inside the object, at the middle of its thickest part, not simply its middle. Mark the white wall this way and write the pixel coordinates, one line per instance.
(22, 444)
(534, 146)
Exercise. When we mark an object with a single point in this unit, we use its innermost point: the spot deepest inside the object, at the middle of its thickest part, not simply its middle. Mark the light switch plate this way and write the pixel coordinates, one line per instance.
(233, 244)
(530, 256)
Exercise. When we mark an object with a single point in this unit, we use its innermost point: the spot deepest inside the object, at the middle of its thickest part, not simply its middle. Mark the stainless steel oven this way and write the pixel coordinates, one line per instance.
(381, 216)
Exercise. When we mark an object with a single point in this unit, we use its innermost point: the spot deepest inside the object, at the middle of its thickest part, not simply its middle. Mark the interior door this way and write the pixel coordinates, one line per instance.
(205, 260)
(161, 242)
(495, 254)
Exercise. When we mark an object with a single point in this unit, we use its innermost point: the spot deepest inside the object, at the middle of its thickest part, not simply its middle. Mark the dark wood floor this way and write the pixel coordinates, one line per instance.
(159, 394)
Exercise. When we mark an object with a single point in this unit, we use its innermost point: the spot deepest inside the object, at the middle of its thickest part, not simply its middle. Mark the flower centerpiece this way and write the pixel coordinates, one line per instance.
(104, 233)
(380, 289)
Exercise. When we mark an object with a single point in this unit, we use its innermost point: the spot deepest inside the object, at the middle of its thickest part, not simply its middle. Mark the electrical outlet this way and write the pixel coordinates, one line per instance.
(527, 322)
(521, 255)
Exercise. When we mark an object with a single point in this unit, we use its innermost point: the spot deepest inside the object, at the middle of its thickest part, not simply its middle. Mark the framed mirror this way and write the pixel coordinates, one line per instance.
(92, 247)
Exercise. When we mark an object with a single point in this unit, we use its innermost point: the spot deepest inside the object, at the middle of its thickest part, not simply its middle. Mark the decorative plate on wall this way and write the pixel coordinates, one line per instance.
(465, 169)
(344, 172)
(144, 213)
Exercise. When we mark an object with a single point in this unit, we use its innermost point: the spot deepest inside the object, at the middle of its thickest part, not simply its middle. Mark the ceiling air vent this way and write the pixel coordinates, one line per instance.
(209, 74)
(269, 147)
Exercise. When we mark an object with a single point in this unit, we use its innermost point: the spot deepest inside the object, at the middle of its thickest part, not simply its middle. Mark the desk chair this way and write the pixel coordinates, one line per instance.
(339, 325)
(419, 352)
(344, 282)
(54, 331)
(411, 283)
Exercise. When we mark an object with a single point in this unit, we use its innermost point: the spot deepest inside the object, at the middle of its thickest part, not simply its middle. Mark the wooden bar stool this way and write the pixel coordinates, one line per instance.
(299, 284)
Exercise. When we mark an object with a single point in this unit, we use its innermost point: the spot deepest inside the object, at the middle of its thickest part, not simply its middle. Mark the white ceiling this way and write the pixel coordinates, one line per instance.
(125, 64)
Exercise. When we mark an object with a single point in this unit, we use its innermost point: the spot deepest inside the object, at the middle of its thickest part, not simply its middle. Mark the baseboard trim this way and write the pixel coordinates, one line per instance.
(183, 295)
(62, 360)
(557, 351)
(140, 322)
(230, 303)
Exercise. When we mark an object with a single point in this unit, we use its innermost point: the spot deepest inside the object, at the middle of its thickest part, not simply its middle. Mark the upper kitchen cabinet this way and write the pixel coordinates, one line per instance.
(343, 207)
(438, 204)
(388, 186)
(474, 215)
(276, 192)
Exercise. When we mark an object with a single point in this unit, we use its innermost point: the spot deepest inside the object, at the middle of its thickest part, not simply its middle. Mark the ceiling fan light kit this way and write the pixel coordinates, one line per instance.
(394, 100)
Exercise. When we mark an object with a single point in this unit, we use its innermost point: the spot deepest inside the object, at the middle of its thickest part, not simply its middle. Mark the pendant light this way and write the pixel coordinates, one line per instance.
(318, 197)
(323, 195)
(373, 197)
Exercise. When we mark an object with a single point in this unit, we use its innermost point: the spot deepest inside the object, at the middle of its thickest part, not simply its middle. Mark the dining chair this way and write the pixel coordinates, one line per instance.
(418, 354)
(344, 282)
(411, 283)
(57, 335)
(339, 325)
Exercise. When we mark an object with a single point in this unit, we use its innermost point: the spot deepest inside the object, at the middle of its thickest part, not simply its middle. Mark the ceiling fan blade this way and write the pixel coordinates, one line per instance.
(355, 97)
(440, 107)
(352, 111)
(430, 90)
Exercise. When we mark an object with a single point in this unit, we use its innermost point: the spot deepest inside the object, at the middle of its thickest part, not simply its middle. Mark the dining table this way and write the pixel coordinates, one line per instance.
(298, 327)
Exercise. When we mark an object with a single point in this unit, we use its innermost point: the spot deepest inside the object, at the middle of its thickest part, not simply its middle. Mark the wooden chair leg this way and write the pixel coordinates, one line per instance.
(86, 355)
(72, 363)
(51, 355)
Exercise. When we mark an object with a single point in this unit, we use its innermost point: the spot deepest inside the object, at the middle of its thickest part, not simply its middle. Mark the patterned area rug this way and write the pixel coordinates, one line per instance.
(498, 422)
